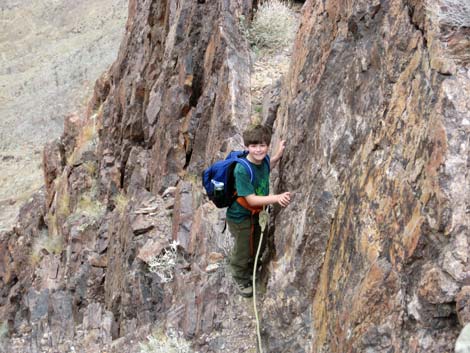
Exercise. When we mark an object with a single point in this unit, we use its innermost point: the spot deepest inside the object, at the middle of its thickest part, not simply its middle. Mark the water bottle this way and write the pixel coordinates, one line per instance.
(218, 188)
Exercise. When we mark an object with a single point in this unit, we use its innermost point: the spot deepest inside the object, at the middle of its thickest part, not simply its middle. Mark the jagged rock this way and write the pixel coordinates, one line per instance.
(49, 272)
(151, 249)
(52, 165)
(136, 173)
(435, 287)
(183, 215)
(97, 324)
(142, 224)
(463, 305)
(271, 101)
(98, 260)
(73, 124)
(61, 318)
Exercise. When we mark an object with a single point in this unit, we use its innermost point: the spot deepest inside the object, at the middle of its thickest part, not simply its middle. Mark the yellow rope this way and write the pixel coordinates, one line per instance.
(263, 222)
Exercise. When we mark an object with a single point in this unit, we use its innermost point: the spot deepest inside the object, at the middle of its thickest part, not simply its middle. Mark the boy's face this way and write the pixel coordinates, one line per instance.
(257, 152)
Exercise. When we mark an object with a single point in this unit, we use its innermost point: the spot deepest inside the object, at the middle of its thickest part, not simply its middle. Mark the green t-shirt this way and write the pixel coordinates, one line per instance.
(260, 187)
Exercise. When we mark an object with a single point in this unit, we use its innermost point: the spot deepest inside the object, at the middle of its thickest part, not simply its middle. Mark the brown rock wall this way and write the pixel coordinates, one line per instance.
(372, 126)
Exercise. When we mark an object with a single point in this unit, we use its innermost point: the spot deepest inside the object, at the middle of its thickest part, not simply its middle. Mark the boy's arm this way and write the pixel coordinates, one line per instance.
(257, 201)
(277, 156)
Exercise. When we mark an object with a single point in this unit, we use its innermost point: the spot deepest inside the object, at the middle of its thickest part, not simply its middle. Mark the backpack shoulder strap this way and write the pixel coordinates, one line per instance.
(247, 167)
(267, 160)
(240, 157)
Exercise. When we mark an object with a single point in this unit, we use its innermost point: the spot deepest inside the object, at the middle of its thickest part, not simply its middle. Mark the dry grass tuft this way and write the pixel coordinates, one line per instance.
(64, 209)
(90, 207)
(51, 243)
(87, 138)
(121, 201)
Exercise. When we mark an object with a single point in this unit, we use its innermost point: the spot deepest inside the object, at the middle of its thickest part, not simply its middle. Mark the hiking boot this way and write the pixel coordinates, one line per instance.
(244, 289)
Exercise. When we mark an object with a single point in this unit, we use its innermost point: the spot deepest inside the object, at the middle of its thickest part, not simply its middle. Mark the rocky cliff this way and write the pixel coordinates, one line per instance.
(372, 254)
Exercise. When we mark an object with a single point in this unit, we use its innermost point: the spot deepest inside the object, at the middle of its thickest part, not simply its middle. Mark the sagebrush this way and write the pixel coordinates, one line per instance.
(273, 27)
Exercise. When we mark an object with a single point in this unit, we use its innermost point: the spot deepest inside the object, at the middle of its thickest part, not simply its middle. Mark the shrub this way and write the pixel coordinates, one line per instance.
(169, 343)
(455, 13)
(273, 27)
(88, 211)
(164, 263)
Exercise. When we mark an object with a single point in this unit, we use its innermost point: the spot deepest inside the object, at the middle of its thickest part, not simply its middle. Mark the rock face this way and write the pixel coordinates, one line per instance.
(377, 254)
(372, 254)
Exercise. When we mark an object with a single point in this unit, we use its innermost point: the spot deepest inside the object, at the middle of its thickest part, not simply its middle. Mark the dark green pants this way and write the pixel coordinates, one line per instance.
(244, 251)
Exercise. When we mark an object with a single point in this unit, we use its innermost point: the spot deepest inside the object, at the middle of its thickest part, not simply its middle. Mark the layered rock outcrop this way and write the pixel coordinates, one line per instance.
(377, 255)
(371, 256)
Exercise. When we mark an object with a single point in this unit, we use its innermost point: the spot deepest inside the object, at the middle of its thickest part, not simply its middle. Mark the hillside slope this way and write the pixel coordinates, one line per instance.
(51, 54)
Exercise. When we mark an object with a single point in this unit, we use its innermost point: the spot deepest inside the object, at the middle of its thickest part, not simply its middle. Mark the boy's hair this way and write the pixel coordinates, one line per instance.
(257, 134)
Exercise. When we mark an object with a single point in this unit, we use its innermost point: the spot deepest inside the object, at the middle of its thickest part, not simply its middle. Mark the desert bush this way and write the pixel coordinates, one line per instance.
(273, 26)
(455, 13)
(171, 342)
(164, 263)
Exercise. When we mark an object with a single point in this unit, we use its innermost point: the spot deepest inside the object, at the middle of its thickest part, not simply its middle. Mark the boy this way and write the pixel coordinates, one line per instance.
(242, 222)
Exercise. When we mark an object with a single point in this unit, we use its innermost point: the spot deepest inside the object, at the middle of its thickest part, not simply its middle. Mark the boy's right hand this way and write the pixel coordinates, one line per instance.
(284, 199)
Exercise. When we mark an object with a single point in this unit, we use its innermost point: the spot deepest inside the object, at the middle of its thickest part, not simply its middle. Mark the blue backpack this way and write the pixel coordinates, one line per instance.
(219, 181)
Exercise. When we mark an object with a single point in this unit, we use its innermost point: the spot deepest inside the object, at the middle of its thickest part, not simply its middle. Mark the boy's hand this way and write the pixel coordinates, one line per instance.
(280, 149)
(284, 199)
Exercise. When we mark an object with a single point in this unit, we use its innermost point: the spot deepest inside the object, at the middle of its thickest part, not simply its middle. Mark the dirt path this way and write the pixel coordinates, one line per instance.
(268, 67)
